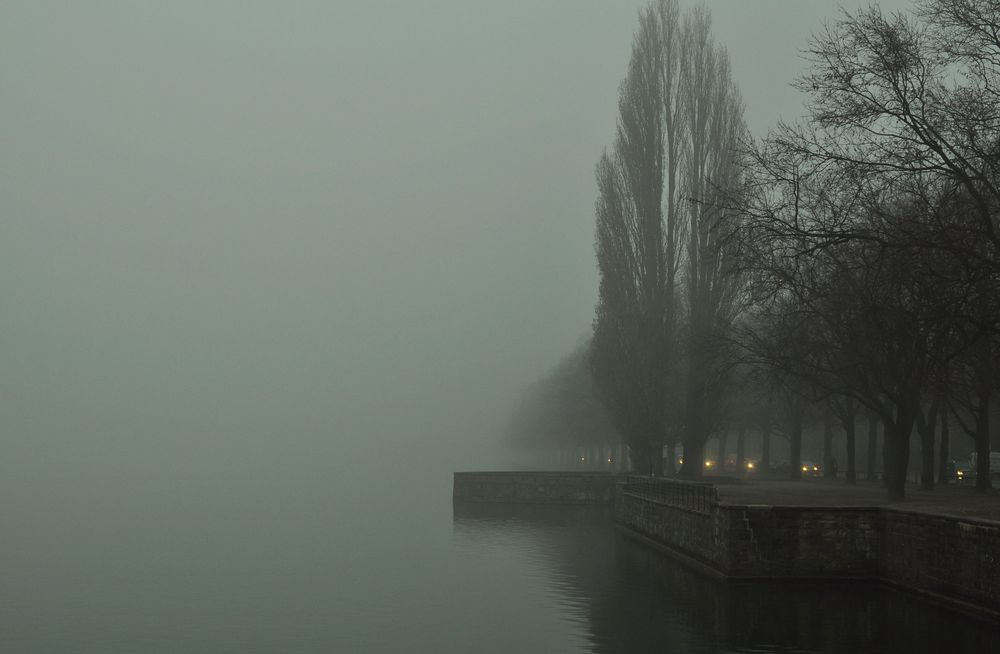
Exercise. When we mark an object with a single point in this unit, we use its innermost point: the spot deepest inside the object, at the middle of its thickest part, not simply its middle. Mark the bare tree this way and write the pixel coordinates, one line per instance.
(870, 321)
(914, 101)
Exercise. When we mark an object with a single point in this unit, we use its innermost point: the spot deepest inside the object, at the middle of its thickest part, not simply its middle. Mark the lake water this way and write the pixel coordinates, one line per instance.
(226, 554)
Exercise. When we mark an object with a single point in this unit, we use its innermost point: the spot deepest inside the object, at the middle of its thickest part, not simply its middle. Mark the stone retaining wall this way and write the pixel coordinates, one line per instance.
(953, 560)
(813, 542)
(950, 559)
(942, 556)
(691, 532)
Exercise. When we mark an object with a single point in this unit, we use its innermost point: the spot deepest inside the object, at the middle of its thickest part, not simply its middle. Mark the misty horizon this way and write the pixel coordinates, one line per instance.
(310, 219)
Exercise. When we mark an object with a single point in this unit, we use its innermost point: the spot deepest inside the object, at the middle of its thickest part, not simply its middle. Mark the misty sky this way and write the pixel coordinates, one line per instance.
(224, 224)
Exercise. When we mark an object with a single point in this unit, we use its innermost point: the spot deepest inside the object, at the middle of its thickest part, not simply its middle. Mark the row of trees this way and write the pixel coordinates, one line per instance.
(563, 413)
(850, 259)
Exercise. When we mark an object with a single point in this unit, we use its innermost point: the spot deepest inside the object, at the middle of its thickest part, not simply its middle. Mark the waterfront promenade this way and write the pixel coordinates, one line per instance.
(946, 499)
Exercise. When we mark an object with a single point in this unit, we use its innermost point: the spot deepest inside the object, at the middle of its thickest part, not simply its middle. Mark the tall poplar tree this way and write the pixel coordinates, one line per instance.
(660, 230)
(638, 234)
(712, 285)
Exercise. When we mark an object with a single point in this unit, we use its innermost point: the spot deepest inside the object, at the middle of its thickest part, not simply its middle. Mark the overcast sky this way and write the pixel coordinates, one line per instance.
(227, 224)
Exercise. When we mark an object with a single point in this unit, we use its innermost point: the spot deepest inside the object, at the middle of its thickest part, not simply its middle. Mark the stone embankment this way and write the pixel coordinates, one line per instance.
(945, 545)
(952, 559)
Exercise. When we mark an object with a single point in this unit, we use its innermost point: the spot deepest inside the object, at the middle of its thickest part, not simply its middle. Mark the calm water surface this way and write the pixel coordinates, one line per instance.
(304, 554)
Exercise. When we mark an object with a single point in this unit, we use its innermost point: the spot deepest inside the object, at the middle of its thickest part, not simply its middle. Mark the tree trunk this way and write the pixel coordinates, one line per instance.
(983, 482)
(984, 389)
(898, 461)
(694, 461)
(765, 449)
(645, 460)
(873, 421)
(829, 466)
(656, 457)
(927, 460)
(886, 456)
(795, 439)
(849, 429)
(741, 450)
(694, 429)
(926, 426)
(944, 470)
(721, 455)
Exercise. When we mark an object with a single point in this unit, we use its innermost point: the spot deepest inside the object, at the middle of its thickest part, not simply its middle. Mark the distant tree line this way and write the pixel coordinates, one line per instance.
(845, 265)
(562, 412)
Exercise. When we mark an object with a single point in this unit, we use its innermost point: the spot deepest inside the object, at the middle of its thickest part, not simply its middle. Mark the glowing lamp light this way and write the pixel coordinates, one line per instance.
(805, 468)
(750, 466)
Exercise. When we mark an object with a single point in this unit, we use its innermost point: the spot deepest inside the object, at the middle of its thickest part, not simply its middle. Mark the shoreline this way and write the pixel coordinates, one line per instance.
(944, 547)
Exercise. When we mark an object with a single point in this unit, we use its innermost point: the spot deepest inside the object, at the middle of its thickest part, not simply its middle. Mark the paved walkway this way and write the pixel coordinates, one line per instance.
(947, 499)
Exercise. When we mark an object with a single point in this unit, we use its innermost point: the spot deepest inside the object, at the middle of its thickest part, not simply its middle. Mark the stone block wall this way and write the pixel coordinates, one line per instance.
(950, 559)
(692, 533)
(942, 556)
(814, 542)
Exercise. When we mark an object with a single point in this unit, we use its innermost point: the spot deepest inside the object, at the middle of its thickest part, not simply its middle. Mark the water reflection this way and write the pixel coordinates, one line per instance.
(627, 597)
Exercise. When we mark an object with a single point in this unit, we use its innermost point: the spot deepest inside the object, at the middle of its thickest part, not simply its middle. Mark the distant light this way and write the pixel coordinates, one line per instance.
(609, 459)
(815, 468)
(805, 468)
(709, 464)
(680, 460)
(750, 465)
(583, 458)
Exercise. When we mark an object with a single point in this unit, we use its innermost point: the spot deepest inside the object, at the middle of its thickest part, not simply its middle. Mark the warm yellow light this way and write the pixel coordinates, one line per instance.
(680, 460)
(750, 465)
(805, 468)
(708, 464)
(609, 459)
(815, 468)
(582, 458)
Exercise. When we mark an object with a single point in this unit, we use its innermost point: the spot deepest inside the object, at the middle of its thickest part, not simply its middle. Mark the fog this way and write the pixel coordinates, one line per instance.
(243, 224)
(233, 226)
(247, 247)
